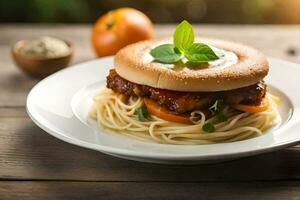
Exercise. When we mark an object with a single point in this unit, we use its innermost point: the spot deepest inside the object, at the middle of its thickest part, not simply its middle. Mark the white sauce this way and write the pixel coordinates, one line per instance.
(228, 59)
(45, 46)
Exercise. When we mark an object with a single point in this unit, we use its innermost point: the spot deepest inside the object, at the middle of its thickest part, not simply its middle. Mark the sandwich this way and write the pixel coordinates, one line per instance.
(191, 91)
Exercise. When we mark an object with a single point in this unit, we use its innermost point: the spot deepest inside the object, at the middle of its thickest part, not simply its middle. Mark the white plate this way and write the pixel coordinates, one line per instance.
(59, 105)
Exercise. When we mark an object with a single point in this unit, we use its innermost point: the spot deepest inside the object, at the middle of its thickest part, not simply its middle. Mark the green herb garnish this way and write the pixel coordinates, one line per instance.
(183, 37)
(216, 107)
(166, 53)
(184, 47)
(208, 127)
(199, 53)
(217, 110)
(221, 116)
(141, 113)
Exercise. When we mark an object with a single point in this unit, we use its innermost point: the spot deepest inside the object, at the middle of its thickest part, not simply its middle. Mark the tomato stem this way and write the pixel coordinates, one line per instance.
(109, 25)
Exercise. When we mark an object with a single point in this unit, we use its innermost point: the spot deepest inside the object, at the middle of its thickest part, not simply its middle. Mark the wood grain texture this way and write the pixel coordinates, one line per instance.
(35, 165)
(134, 190)
(27, 152)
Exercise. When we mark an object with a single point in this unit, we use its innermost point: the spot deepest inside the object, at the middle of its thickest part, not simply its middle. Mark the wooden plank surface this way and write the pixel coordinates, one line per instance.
(27, 152)
(33, 162)
(45, 190)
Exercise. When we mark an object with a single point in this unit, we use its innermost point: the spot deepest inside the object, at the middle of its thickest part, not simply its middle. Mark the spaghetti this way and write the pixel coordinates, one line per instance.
(114, 111)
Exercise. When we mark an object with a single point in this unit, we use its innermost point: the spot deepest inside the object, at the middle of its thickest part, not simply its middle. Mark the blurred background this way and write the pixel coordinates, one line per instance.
(160, 11)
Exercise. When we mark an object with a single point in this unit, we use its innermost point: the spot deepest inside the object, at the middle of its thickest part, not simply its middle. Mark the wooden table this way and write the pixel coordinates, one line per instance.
(35, 165)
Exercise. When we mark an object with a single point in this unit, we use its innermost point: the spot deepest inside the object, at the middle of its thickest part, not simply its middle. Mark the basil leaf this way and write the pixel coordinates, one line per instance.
(166, 53)
(208, 127)
(183, 36)
(200, 52)
(221, 116)
(141, 113)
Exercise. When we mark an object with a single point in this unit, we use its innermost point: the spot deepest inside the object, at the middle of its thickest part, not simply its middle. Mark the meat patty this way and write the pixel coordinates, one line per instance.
(183, 102)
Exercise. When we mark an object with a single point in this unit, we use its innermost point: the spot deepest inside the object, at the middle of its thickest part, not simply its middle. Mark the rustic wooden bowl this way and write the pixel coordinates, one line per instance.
(40, 66)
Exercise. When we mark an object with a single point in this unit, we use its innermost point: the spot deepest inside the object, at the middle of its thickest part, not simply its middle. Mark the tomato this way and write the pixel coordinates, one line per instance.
(162, 113)
(263, 106)
(118, 28)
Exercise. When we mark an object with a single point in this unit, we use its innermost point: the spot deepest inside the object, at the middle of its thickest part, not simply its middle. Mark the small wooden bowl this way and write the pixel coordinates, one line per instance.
(40, 66)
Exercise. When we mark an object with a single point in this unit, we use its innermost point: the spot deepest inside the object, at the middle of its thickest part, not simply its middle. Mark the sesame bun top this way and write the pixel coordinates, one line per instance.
(244, 66)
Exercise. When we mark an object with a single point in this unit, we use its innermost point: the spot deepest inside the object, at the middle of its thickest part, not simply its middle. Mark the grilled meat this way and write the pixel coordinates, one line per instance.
(183, 102)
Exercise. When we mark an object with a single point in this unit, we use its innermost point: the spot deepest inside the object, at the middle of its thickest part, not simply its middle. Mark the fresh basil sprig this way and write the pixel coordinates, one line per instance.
(183, 47)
